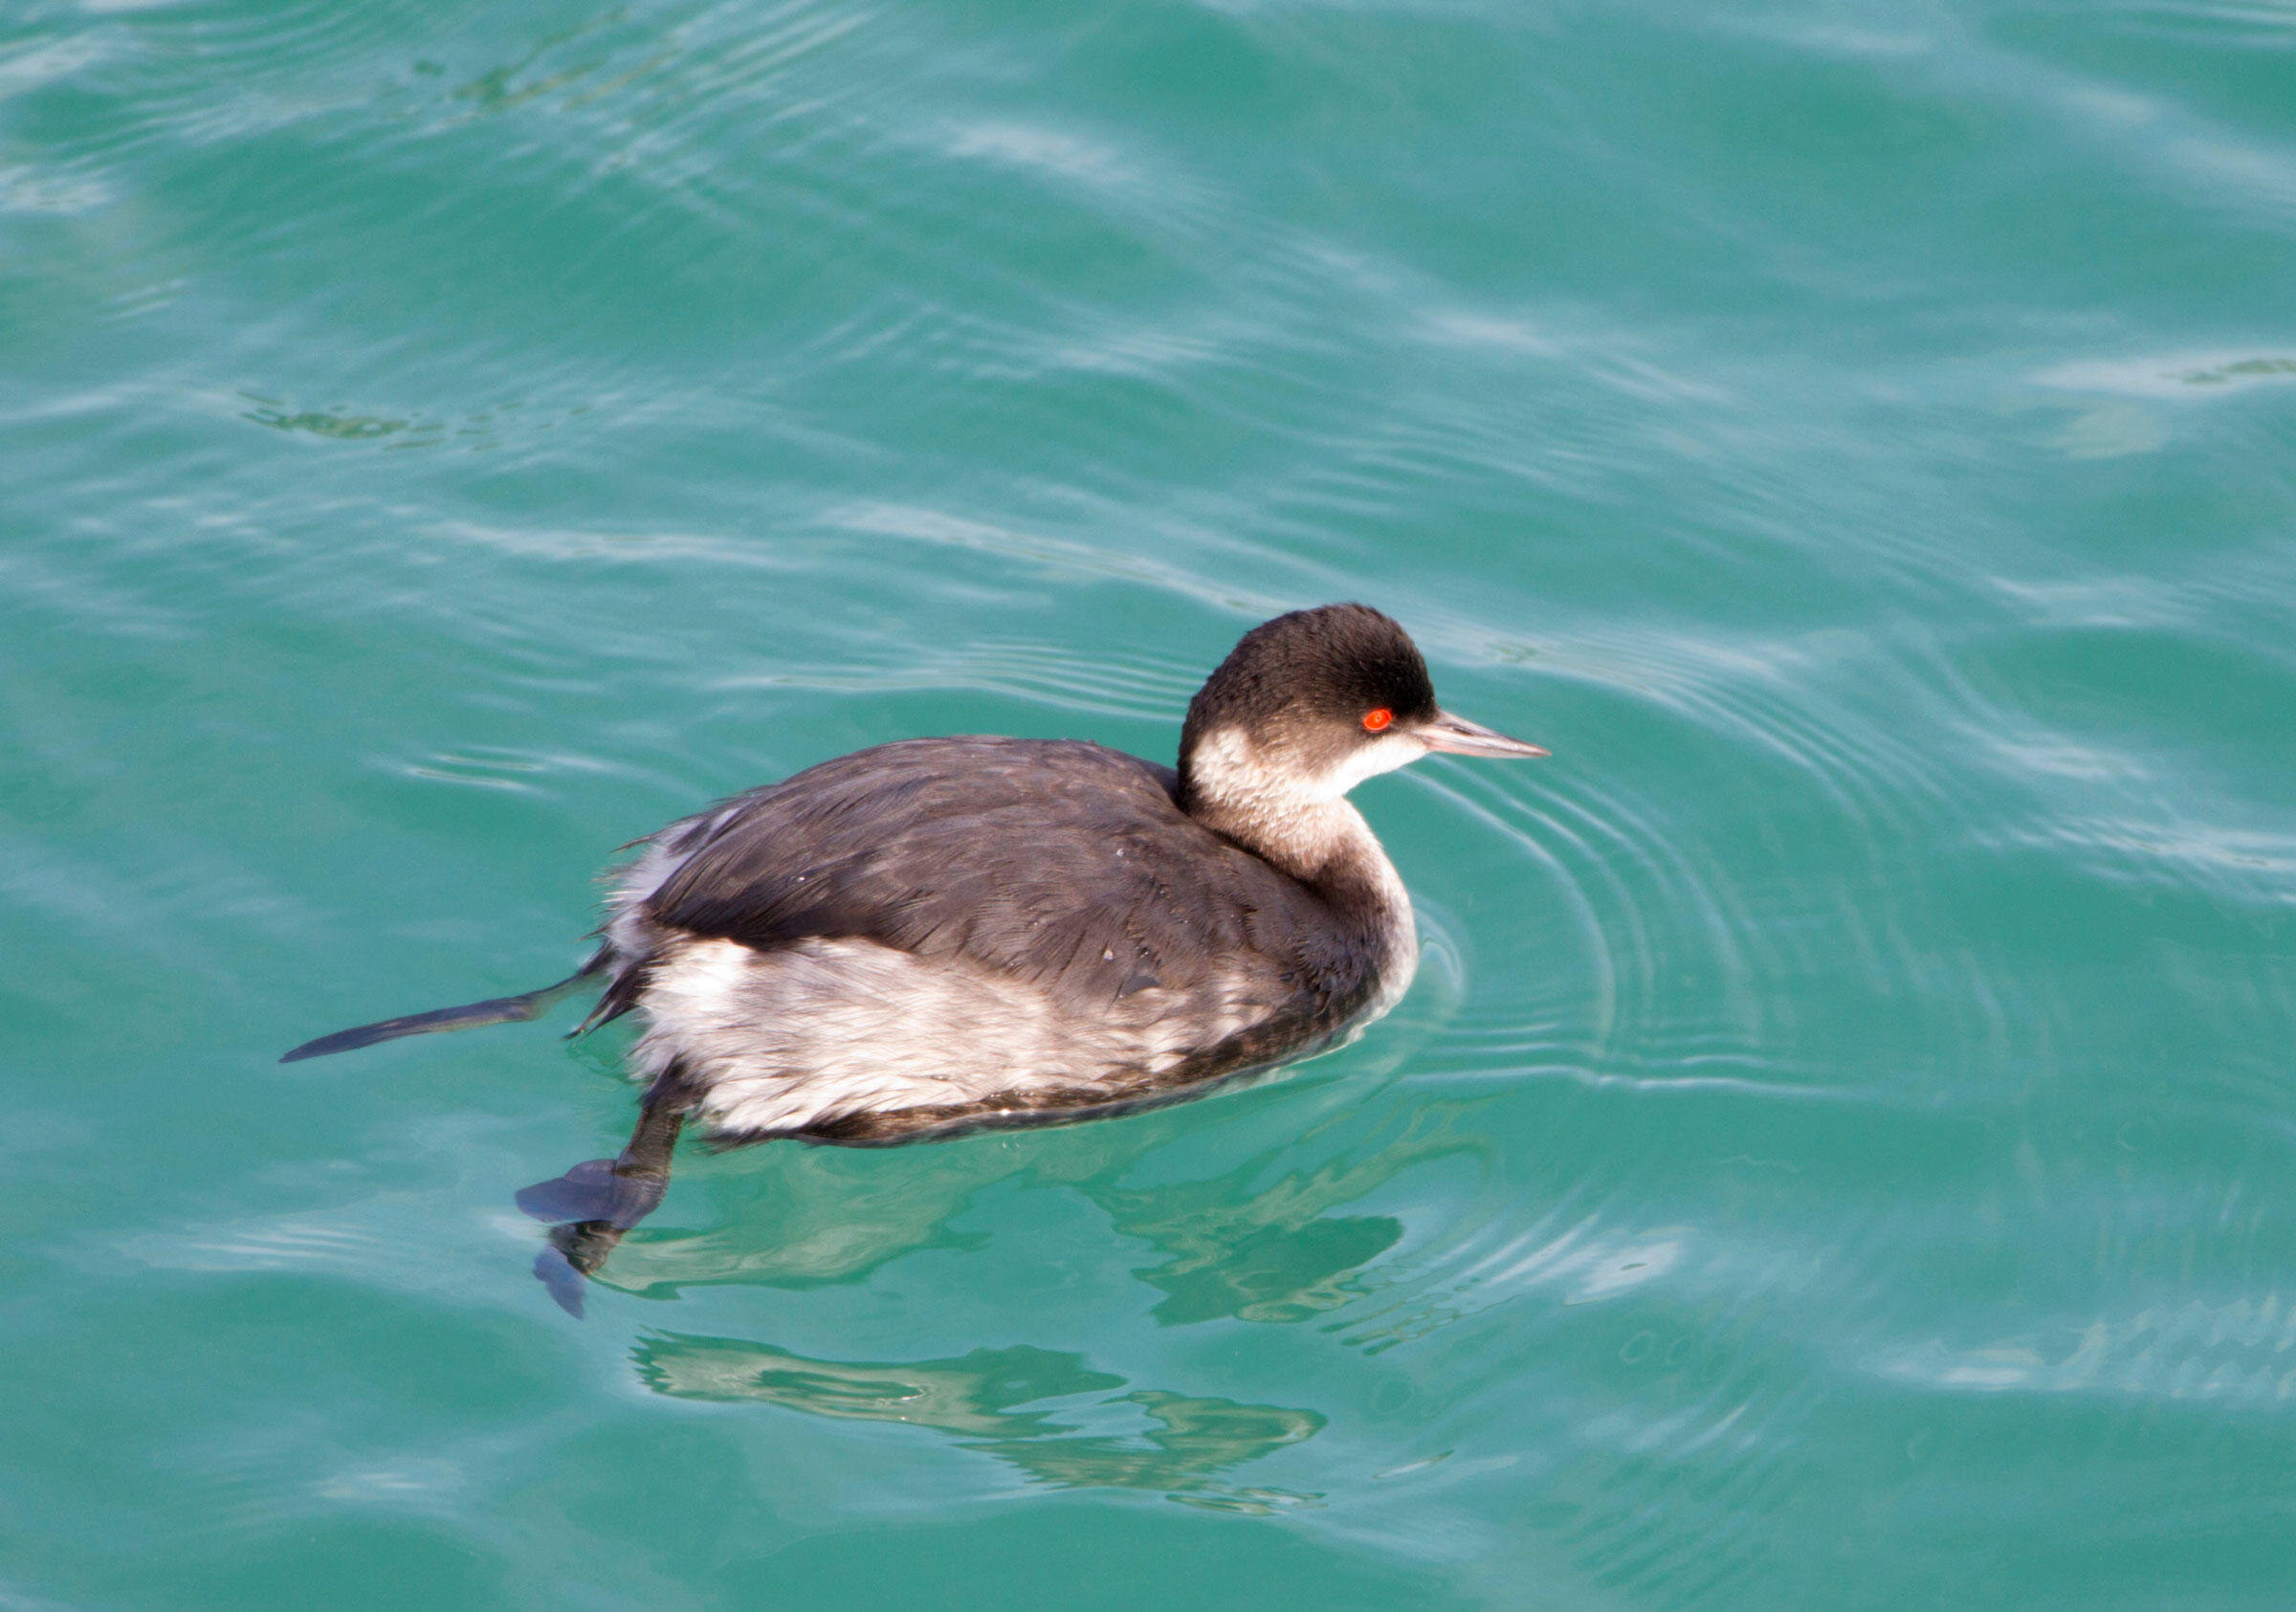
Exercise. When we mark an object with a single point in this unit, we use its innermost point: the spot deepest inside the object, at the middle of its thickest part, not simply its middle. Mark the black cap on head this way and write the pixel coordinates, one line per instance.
(1322, 670)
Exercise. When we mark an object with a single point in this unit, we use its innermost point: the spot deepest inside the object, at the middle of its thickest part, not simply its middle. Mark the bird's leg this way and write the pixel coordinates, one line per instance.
(599, 1200)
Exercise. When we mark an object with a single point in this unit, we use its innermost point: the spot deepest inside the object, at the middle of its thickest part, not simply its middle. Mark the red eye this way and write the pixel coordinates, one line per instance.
(1374, 721)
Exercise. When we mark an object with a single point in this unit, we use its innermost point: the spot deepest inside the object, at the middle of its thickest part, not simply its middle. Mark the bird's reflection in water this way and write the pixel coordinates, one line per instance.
(1270, 1255)
(1239, 1244)
(1178, 1444)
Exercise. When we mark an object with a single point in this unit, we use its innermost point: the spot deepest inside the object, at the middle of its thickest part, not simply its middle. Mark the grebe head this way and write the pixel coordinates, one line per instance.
(1308, 706)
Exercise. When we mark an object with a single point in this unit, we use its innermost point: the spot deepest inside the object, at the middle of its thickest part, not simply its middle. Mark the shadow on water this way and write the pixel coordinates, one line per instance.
(984, 1400)
(1257, 1241)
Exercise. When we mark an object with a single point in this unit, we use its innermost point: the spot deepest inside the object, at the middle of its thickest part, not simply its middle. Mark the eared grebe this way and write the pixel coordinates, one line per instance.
(941, 935)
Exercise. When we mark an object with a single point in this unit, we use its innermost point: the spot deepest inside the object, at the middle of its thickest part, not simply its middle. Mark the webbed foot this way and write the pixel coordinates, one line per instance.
(595, 1189)
(599, 1200)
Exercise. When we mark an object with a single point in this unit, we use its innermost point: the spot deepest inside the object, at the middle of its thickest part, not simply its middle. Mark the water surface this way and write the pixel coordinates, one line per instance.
(1839, 1151)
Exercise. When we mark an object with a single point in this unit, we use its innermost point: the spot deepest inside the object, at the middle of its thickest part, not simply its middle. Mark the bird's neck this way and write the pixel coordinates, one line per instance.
(1310, 831)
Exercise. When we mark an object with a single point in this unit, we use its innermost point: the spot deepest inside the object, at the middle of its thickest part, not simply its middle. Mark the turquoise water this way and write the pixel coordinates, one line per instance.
(1839, 1151)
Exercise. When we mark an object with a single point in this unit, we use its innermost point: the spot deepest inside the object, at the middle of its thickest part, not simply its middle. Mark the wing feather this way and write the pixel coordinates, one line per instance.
(1062, 863)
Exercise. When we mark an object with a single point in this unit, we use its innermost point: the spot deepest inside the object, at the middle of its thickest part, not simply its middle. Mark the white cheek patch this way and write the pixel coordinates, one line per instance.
(1227, 767)
(1383, 754)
